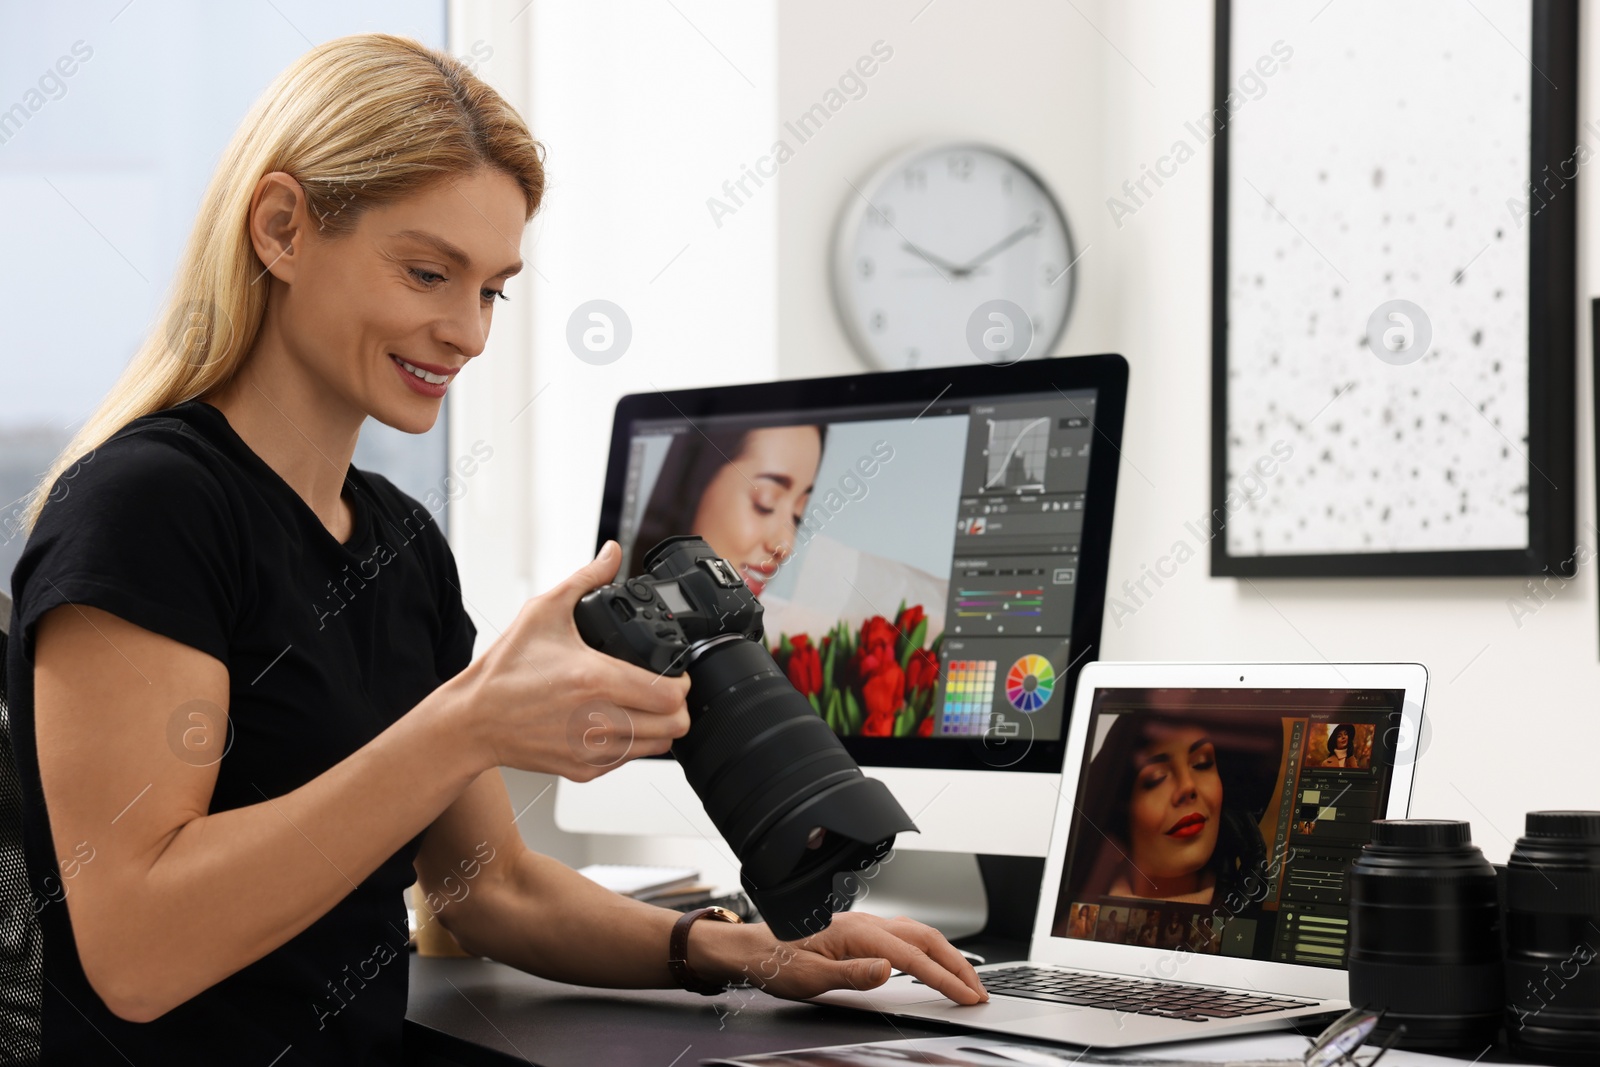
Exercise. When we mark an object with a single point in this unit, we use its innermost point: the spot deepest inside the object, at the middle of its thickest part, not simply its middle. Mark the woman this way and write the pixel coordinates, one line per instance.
(1172, 933)
(1176, 797)
(744, 491)
(1149, 928)
(243, 675)
(1340, 741)
(1208, 933)
(1082, 922)
(1113, 925)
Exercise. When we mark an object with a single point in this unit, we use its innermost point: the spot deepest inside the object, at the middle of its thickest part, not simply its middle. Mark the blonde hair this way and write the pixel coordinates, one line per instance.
(359, 121)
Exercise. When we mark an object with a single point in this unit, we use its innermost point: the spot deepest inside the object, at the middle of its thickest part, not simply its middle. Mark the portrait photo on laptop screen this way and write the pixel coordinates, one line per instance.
(917, 572)
(1221, 821)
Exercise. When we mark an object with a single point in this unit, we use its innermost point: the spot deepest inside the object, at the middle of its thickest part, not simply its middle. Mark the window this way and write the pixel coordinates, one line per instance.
(102, 170)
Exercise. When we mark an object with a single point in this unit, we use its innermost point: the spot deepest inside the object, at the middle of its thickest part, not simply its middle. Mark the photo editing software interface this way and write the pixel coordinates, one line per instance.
(1222, 821)
(916, 564)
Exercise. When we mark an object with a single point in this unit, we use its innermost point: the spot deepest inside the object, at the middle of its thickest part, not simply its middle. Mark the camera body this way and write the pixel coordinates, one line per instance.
(775, 780)
(689, 595)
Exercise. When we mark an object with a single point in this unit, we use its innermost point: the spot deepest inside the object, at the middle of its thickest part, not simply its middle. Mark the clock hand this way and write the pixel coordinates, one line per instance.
(938, 264)
(996, 249)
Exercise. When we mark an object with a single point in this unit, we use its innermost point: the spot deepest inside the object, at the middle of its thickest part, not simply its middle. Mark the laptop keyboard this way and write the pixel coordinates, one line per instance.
(1167, 1000)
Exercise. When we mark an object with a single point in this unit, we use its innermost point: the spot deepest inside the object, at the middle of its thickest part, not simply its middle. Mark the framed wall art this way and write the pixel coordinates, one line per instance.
(1394, 301)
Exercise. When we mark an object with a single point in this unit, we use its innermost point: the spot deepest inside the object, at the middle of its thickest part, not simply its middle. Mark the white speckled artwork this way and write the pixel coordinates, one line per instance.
(1383, 160)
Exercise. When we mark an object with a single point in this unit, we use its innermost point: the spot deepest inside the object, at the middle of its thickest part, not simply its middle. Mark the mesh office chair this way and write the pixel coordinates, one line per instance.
(21, 943)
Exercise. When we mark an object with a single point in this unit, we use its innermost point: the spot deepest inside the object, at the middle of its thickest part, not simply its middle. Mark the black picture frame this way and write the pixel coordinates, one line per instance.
(1594, 396)
(1552, 338)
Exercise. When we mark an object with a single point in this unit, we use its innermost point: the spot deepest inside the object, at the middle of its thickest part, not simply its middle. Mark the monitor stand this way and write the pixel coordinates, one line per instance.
(1011, 891)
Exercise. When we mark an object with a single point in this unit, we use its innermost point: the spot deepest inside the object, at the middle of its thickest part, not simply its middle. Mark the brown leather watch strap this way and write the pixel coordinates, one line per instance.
(678, 950)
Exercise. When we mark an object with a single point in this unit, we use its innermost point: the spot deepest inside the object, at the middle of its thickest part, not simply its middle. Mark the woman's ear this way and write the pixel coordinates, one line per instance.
(277, 223)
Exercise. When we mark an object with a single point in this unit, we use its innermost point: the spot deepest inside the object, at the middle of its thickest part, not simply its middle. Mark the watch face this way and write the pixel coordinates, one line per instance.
(937, 250)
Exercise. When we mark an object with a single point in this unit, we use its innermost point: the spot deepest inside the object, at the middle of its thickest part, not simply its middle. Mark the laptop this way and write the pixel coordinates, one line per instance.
(1194, 884)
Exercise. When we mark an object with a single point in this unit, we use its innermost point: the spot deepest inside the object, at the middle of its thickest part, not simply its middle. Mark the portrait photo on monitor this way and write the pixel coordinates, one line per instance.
(843, 531)
(1177, 797)
(1342, 745)
(1221, 821)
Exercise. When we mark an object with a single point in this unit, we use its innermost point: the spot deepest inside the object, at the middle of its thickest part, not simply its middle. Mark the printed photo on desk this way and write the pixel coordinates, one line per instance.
(970, 1051)
(977, 1050)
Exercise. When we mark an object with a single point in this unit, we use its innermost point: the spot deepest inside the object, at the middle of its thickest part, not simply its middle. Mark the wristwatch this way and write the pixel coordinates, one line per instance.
(678, 950)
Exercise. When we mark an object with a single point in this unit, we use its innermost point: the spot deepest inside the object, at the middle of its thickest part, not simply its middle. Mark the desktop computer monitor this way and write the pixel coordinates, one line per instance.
(929, 548)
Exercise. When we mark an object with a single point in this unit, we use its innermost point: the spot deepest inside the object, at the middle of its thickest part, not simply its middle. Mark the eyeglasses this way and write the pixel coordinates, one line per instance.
(1338, 1043)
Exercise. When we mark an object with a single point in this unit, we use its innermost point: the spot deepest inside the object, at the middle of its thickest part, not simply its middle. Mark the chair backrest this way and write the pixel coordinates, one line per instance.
(21, 944)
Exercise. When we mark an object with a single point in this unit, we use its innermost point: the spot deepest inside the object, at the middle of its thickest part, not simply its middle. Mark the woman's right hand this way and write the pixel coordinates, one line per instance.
(540, 699)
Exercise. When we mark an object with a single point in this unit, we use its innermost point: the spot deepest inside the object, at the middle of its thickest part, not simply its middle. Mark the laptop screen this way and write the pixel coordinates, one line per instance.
(1221, 821)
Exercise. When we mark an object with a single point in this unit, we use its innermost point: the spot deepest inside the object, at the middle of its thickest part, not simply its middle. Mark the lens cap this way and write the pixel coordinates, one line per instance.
(1421, 833)
(1578, 826)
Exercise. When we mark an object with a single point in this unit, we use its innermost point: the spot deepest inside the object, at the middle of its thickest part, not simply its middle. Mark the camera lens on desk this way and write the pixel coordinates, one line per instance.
(1552, 888)
(1425, 935)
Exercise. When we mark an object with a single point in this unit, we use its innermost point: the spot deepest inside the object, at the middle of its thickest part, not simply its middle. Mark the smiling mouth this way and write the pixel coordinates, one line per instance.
(756, 578)
(421, 375)
(1188, 826)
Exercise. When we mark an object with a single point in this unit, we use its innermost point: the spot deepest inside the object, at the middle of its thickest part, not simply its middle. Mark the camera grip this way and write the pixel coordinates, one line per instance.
(608, 621)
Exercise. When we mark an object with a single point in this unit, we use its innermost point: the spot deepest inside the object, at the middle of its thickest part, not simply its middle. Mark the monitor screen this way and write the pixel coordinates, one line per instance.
(917, 564)
(1222, 820)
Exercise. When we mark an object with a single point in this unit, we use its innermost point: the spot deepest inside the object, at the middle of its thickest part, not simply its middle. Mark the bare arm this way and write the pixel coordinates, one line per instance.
(175, 899)
(531, 911)
(540, 916)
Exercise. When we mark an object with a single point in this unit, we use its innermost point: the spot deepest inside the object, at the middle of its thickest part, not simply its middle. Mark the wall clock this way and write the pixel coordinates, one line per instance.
(939, 241)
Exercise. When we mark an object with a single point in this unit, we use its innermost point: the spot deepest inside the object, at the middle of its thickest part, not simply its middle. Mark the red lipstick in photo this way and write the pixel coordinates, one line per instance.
(1188, 826)
(757, 577)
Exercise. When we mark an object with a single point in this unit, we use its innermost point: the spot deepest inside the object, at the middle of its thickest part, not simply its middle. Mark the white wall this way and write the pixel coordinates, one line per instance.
(645, 120)
(645, 109)
(1505, 701)
(1029, 76)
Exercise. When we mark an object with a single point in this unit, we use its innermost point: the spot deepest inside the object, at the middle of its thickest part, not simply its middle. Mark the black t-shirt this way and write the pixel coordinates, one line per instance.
(175, 525)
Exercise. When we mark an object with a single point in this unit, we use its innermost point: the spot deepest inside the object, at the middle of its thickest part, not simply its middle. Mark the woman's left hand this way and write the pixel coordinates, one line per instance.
(856, 951)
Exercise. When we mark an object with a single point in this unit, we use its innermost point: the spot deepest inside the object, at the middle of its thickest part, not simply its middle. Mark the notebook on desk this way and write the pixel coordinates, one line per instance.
(1194, 885)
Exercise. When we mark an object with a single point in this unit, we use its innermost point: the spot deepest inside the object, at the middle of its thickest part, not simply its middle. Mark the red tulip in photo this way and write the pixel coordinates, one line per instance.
(923, 670)
(805, 666)
(877, 681)
(907, 620)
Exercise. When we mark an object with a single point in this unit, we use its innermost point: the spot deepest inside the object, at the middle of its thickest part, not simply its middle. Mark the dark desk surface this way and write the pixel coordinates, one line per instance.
(467, 1012)
(474, 1011)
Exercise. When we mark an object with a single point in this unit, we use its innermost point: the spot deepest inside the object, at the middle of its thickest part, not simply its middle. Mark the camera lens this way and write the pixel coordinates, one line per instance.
(780, 787)
(1425, 935)
(1552, 887)
(804, 821)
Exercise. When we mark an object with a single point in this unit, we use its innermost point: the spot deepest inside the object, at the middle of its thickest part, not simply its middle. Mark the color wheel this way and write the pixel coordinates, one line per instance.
(1029, 683)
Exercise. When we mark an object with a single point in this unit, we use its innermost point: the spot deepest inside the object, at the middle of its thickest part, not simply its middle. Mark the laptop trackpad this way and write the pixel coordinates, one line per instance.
(999, 1011)
(896, 994)
(901, 995)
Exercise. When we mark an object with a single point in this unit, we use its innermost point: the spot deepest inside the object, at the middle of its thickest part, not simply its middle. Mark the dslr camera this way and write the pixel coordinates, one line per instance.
(775, 780)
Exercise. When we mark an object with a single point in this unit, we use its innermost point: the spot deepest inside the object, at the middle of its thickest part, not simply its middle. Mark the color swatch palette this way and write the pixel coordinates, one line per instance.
(968, 696)
(1029, 683)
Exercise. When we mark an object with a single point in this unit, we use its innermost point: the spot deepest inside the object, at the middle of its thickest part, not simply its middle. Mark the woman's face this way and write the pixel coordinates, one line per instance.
(414, 280)
(749, 512)
(1341, 738)
(1176, 805)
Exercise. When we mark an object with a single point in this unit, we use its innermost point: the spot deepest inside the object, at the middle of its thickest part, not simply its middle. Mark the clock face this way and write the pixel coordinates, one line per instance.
(937, 251)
